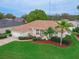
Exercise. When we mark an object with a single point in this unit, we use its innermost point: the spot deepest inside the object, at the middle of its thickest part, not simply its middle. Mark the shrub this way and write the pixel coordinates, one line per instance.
(57, 39)
(76, 30)
(36, 38)
(66, 42)
(23, 38)
(8, 33)
(30, 37)
(66, 39)
(39, 38)
(2, 36)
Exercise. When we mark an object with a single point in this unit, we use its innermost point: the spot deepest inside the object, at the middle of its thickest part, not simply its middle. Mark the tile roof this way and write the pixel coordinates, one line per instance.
(38, 24)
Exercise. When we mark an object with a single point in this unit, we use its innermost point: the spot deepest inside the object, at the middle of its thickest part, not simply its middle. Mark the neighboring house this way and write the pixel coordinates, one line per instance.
(75, 23)
(35, 28)
(9, 24)
(20, 20)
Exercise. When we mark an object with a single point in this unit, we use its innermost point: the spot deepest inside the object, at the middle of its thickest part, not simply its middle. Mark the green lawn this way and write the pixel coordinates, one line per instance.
(29, 50)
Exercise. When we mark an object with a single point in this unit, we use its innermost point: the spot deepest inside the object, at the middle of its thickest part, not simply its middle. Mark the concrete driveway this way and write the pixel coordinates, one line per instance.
(6, 41)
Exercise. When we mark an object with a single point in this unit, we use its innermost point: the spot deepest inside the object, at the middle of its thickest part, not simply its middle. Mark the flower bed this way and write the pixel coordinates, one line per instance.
(52, 42)
(78, 36)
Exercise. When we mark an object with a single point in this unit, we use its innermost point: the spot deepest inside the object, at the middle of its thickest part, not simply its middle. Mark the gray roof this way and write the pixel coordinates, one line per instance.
(9, 23)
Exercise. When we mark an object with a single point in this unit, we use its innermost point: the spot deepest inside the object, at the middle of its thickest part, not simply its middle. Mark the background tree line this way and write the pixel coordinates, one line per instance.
(41, 15)
(9, 15)
(64, 16)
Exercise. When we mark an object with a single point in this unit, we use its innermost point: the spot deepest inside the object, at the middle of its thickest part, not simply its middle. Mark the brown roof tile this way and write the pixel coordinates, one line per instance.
(39, 24)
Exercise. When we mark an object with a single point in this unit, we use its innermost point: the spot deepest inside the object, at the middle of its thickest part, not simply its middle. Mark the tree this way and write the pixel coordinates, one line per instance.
(36, 15)
(65, 16)
(1, 15)
(63, 25)
(10, 16)
(8, 32)
(78, 10)
(55, 17)
(24, 17)
(49, 32)
(78, 7)
(76, 30)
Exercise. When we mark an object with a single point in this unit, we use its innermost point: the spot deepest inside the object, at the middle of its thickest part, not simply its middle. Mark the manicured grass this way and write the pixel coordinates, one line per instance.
(29, 50)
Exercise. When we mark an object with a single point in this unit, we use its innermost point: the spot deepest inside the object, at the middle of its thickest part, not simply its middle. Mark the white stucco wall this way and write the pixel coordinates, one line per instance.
(18, 34)
(15, 34)
(64, 34)
(2, 30)
(33, 33)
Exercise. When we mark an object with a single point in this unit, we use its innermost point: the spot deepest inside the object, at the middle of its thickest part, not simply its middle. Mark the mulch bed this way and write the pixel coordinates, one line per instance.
(77, 36)
(51, 42)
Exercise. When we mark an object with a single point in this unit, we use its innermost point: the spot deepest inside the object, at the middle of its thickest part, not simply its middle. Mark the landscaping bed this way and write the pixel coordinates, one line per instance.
(54, 40)
(78, 36)
(53, 43)
(2, 36)
(5, 35)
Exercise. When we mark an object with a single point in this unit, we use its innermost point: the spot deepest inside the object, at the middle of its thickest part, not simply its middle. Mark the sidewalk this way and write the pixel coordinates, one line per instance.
(6, 40)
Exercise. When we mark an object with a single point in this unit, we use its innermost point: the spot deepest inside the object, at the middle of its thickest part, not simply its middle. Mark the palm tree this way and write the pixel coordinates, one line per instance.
(78, 12)
(45, 34)
(63, 25)
(49, 32)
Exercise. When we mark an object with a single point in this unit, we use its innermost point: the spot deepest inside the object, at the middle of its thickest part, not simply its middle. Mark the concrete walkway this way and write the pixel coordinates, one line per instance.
(6, 41)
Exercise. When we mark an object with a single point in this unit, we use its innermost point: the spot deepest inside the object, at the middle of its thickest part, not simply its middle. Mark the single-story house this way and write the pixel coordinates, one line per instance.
(35, 28)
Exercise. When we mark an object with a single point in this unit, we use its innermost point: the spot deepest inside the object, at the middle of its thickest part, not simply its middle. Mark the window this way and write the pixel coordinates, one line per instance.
(41, 32)
(37, 31)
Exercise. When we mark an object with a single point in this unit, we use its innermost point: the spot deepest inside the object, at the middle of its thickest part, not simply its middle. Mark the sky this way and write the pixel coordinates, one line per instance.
(51, 7)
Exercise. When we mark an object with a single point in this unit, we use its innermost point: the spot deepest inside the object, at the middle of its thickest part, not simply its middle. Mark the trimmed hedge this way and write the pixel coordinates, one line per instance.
(25, 38)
